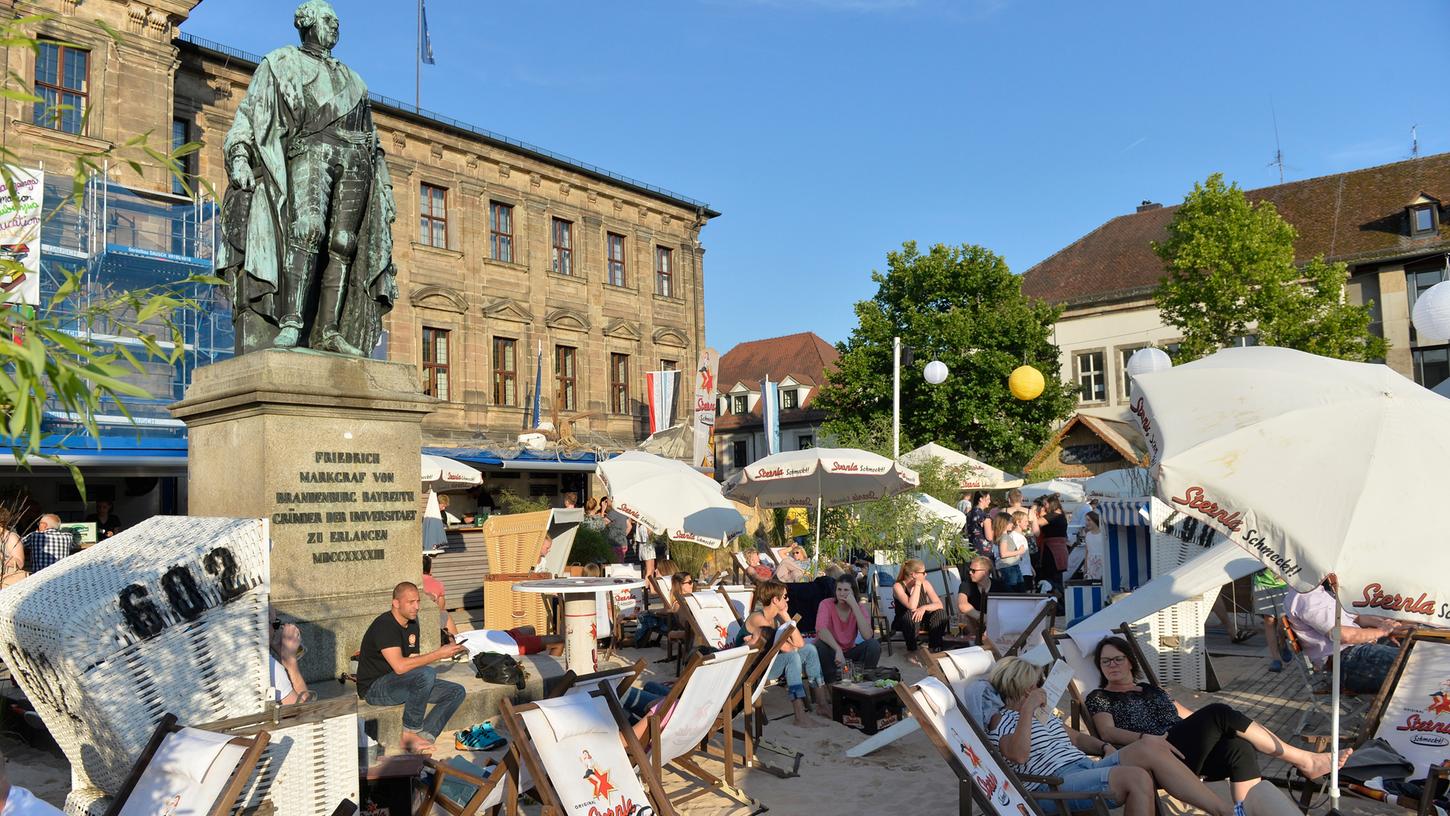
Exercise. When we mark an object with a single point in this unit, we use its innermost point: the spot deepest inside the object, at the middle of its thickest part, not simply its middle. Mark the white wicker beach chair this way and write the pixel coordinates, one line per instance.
(168, 616)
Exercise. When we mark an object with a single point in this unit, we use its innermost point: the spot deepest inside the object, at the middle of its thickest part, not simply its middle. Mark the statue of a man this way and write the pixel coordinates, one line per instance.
(307, 237)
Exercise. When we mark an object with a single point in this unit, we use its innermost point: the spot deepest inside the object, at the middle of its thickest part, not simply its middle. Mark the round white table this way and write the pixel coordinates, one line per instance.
(580, 607)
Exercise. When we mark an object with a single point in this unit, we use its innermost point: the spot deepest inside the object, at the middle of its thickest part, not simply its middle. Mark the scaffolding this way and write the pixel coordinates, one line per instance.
(122, 240)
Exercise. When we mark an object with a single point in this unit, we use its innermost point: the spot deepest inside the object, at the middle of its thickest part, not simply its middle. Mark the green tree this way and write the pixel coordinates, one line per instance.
(963, 306)
(1231, 272)
(77, 359)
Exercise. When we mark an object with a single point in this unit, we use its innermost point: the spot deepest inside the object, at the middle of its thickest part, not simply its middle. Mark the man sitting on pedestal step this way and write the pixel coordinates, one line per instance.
(391, 672)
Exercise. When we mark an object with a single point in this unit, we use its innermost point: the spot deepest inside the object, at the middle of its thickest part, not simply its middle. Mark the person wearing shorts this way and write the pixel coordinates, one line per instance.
(1047, 747)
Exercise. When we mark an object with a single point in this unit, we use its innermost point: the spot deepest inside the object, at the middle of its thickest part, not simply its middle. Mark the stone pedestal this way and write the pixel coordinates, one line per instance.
(327, 448)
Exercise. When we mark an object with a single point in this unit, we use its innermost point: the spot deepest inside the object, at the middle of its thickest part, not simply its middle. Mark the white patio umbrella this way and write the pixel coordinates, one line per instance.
(980, 475)
(1070, 492)
(667, 495)
(1309, 464)
(820, 477)
(442, 473)
(435, 537)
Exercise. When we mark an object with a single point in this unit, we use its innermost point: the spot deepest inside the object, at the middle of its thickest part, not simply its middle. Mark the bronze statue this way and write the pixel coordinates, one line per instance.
(307, 237)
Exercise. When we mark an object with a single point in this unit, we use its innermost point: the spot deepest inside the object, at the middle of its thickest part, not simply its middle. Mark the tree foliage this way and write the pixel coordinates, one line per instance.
(77, 359)
(1231, 272)
(963, 306)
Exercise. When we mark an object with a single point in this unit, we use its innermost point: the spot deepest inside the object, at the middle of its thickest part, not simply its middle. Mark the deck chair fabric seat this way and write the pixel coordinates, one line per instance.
(188, 772)
(741, 598)
(461, 788)
(573, 749)
(1016, 622)
(714, 622)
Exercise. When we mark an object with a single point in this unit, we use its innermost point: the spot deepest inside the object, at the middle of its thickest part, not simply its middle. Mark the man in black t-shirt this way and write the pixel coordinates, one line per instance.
(391, 672)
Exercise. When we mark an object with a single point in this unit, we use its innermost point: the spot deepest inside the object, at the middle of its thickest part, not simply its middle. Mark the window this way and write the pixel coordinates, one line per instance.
(433, 216)
(738, 455)
(180, 136)
(1090, 378)
(739, 404)
(435, 362)
(1419, 277)
(1124, 355)
(619, 383)
(1432, 365)
(501, 232)
(804, 442)
(664, 278)
(1422, 219)
(566, 382)
(614, 245)
(788, 400)
(1244, 341)
(62, 80)
(563, 241)
(505, 371)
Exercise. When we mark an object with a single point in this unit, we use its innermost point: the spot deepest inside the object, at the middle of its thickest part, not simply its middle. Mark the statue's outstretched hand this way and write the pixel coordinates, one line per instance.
(240, 172)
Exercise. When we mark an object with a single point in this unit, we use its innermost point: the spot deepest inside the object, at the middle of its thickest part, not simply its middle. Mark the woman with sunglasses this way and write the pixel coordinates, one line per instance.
(1216, 742)
(796, 660)
(917, 604)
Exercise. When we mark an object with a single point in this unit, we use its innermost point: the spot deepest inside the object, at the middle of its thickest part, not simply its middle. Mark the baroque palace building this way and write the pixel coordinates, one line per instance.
(504, 250)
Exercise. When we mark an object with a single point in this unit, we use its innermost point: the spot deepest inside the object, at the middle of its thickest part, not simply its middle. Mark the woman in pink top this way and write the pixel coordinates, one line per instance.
(840, 624)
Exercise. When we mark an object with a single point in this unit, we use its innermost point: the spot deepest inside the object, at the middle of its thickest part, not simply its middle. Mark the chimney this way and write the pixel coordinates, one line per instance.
(1148, 205)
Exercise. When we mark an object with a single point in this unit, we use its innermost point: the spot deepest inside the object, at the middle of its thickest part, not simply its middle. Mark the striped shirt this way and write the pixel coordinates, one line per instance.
(1051, 746)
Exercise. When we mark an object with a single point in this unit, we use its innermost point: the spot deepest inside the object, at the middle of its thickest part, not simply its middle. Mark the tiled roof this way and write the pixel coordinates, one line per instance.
(1354, 217)
(802, 356)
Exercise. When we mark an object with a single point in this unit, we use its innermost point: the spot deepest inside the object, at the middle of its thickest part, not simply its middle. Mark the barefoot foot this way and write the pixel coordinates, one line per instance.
(414, 744)
(1318, 764)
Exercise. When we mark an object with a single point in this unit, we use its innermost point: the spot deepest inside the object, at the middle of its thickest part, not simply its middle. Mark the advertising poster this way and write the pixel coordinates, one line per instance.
(705, 374)
(20, 236)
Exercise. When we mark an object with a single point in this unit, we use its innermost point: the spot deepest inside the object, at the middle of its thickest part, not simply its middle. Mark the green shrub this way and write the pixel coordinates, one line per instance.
(591, 545)
(509, 502)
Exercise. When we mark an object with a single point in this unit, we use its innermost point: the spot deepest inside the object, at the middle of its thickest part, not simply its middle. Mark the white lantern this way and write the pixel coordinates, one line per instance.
(936, 372)
(1432, 313)
(1147, 361)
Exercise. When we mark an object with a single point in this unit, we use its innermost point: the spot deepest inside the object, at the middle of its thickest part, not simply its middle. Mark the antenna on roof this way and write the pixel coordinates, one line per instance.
(1278, 153)
(1414, 141)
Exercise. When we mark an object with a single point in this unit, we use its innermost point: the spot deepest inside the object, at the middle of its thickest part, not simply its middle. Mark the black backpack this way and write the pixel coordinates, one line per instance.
(500, 669)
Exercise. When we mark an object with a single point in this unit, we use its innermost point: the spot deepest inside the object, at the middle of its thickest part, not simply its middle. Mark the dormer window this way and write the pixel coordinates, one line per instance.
(739, 404)
(1424, 216)
(788, 400)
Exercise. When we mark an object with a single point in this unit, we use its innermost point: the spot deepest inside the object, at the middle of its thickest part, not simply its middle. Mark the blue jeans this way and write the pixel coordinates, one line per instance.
(414, 691)
(637, 701)
(1364, 666)
(1087, 776)
(1011, 576)
(803, 662)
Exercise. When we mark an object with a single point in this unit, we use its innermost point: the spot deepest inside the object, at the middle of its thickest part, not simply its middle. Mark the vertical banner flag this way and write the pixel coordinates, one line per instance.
(20, 237)
(705, 374)
(538, 383)
(660, 386)
(425, 40)
(770, 412)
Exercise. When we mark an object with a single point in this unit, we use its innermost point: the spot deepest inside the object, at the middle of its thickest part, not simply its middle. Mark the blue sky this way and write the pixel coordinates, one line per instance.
(829, 131)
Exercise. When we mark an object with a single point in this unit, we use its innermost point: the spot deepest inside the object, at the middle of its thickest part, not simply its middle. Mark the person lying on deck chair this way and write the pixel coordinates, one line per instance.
(1365, 655)
(1047, 747)
(1215, 742)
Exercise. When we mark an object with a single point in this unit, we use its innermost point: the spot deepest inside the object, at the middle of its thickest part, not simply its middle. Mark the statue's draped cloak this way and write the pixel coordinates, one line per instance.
(295, 95)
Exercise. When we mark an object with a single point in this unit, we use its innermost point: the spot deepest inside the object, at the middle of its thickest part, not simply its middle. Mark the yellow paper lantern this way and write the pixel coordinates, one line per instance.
(1026, 383)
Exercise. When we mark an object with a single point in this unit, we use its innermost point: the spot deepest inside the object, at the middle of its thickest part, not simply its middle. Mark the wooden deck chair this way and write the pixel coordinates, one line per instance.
(460, 788)
(778, 554)
(621, 678)
(697, 706)
(883, 603)
(676, 643)
(712, 618)
(582, 754)
(982, 775)
(1411, 712)
(1317, 681)
(742, 600)
(1077, 652)
(753, 716)
(188, 769)
(1016, 621)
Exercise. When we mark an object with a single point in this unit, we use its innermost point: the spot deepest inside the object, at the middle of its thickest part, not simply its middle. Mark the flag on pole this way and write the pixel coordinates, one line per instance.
(425, 44)
(660, 386)
(770, 412)
(705, 408)
(538, 383)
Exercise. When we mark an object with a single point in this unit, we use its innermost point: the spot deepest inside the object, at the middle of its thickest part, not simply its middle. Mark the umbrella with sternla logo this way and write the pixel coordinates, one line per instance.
(820, 477)
(1310, 464)
(669, 496)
